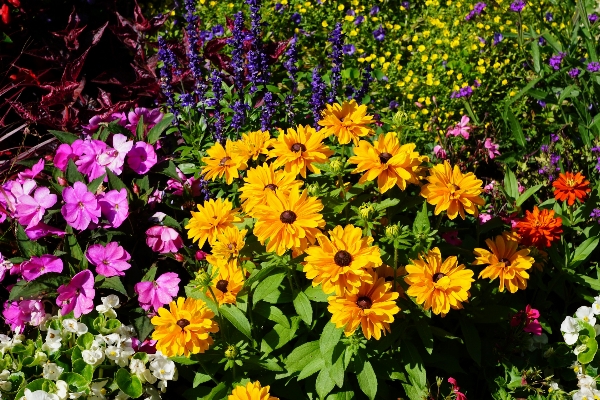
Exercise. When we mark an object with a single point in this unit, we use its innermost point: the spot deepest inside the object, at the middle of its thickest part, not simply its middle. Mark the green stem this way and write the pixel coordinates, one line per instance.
(206, 371)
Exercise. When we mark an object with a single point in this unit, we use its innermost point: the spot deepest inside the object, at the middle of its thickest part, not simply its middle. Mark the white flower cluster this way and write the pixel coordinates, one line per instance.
(571, 327)
(114, 348)
(587, 388)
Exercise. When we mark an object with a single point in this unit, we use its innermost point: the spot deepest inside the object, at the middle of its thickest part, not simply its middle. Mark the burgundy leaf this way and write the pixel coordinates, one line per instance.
(97, 34)
(73, 69)
(141, 24)
(125, 32)
(59, 94)
(275, 50)
(215, 45)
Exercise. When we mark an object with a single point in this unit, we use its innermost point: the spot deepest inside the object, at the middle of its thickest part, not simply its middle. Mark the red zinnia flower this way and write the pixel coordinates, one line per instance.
(571, 186)
(539, 228)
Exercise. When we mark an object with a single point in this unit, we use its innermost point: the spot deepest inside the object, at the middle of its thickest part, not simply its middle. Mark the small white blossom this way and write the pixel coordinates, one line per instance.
(62, 389)
(121, 396)
(112, 352)
(570, 329)
(4, 383)
(586, 314)
(52, 371)
(553, 386)
(586, 382)
(586, 394)
(71, 325)
(98, 391)
(93, 356)
(152, 393)
(109, 303)
(163, 368)
(111, 339)
(596, 305)
(39, 395)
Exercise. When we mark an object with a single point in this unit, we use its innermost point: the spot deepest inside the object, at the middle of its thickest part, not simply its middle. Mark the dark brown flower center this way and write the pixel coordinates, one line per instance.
(506, 261)
(437, 276)
(342, 258)
(296, 147)
(230, 246)
(364, 302)
(385, 157)
(271, 186)
(222, 285)
(223, 161)
(287, 217)
(182, 323)
(389, 278)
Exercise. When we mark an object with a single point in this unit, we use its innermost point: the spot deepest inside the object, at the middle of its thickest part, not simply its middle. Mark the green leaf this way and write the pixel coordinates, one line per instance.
(37, 289)
(28, 247)
(237, 319)
(183, 360)
(511, 185)
(367, 380)
(316, 294)
(140, 129)
(219, 392)
(158, 129)
(471, 339)
(74, 253)
(413, 365)
(324, 383)
(302, 355)
(149, 276)
(329, 338)
(425, 335)
(130, 384)
(303, 308)
(76, 382)
(85, 341)
(115, 182)
(95, 184)
(142, 325)
(114, 283)
(272, 313)
(316, 365)
(586, 356)
(421, 223)
(83, 369)
(267, 286)
(171, 171)
(64, 137)
(517, 131)
(72, 174)
(527, 194)
(583, 251)
(535, 53)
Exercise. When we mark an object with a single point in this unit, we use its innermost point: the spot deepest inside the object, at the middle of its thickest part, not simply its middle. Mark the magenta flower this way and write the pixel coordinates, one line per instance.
(109, 260)
(113, 158)
(142, 157)
(492, 148)
(459, 395)
(163, 239)
(155, 294)
(439, 152)
(148, 346)
(462, 128)
(41, 230)
(527, 319)
(484, 217)
(5, 267)
(19, 313)
(89, 161)
(177, 186)
(451, 237)
(38, 266)
(151, 117)
(31, 210)
(77, 295)
(114, 206)
(31, 173)
(66, 152)
(81, 206)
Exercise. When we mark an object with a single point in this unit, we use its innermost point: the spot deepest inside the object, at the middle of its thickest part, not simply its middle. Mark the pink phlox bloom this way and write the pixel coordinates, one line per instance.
(484, 217)
(528, 319)
(492, 148)
(89, 162)
(96, 120)
(452, 238)
(456, 389)
(462, 128)
(439, 152)
(147, 346)
(114, 206)
(177, 186)
(109, 260)
(155, 294)
(31, 210)
(163, 239)
(521, 187)
(81, 206)
(38, 266)
(77, 295)
(489, 187)
(66, 152)
(19, 313)
(41, 230)
(31, 173)
(151, 118)
(121, 146)
(141, 158)
(155, 198)
(21, 189)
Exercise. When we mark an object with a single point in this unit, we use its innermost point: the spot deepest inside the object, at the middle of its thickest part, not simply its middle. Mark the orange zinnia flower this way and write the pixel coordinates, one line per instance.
(571, 186)
(539, 228)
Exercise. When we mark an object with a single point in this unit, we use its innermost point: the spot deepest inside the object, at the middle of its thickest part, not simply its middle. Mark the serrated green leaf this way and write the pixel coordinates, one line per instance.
(72, 174)
(324, 383)
(329, 338)
(301, 356)
(93, 185)
(237, 319)
(421, 223)
(267, 286)
(114, 181)
(114, 283)
(367, 380)
(303, 307)
(158, 129)
(311, 368)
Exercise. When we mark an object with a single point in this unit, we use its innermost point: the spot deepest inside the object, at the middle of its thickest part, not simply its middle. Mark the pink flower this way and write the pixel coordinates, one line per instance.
(31, 173)
(489, 187)
(452, 238)
(77, 295)
(155, 198)
(96, 120)
(492, 148)
(528, 320)
(113, 158)
(147, 346)
(178, 186)
(114, 206)
(456, 389)
(157, 293)
(201, 255)
(163, 239)
(81, 206)
(31, 210)
(19, 313)
(484, 217)
(151, 117)
(142, 157)
(109, 260)
(462, 128)
(21, 189)
(89, 161)
(521, 187)
(439, 152)
(5, 266)
(38, 266)
(41, 230)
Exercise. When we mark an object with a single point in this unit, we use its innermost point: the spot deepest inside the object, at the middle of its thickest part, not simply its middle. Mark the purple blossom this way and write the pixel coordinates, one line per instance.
(296, 18)
(38, 266)
(237, 54)
(290, 63)
(359, 20)
(541, 41)
(595, 214)
(477, 10)
(406, 5)
(541, 103)
(151, 117)
(349, 49)
(556, 59)
(169, 61)
(574, 73)
(218, 92)
(592, 18)
(239, 114)
(554, 137)
(195, 61)
(367, 78)
(77, 295)
(257, 59)
(379, 33)
(549, 17)
(544, 148)
(155, 294)
(593, 66)
(336, 38)
(187, 100)
(268, 110)
(374, 11)
(279, 7)
(218, 30)
(596, 149)
(317, 100)
(81, 206)
(497, 38)
(466, 91)
(109, 260)
(141, 158)
(114, 206)
(517, 6)
(393, 105)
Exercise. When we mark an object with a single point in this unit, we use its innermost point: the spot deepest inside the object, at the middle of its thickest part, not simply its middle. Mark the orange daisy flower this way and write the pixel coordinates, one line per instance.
(348, 121)
(569, 187)
(539, 228)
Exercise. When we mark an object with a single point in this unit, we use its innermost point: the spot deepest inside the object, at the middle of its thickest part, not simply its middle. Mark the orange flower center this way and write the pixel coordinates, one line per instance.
(222, 285)
(571, 183)
(364, 302)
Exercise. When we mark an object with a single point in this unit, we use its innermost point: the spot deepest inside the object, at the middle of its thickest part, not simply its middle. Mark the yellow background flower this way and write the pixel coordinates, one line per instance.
(253, 144)
(347, 121)
(211, 219)
(252, 391)
(228, 282)
(229, 243)
(223, 161)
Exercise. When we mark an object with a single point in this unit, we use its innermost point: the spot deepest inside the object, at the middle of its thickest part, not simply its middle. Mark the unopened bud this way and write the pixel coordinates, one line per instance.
(62, 181)
(418, 104)
(392, 231)
(313, 189)
(200, 255)
(231, 352)
(48, 157)
(136, 188)
(366, 210)
(337, 166)
(399, 118)
(179, 257)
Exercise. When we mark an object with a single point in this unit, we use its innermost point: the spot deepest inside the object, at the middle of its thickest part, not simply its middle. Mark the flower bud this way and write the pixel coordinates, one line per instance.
(313, 189)
(231, 352)
(399, 118)
(62, 181)
(136, 188)
(179, 257)
(337, 166)
(366, 210)
(200, 255)
(48, 157)
(391, 231)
